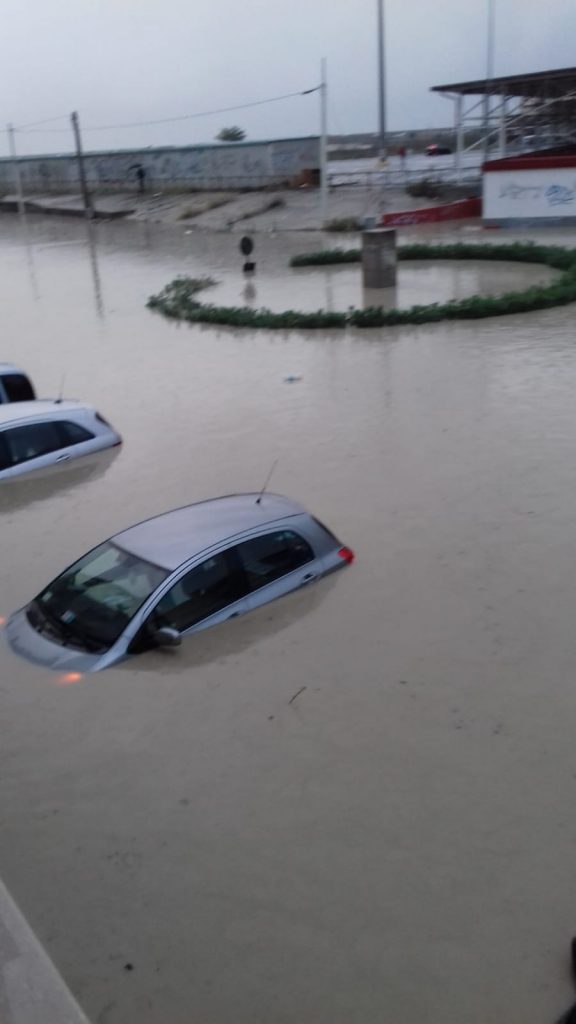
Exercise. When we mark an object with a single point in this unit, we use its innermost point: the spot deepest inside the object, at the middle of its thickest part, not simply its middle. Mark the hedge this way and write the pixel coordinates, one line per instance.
(178, 299)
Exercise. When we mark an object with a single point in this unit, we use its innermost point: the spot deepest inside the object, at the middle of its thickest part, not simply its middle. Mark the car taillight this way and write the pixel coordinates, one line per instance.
(347, 554)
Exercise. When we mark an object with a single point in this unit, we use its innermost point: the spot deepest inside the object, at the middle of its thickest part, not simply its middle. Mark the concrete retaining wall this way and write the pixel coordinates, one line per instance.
(227, 166)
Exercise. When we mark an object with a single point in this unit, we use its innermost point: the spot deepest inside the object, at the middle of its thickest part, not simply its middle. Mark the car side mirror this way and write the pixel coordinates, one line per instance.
(166, 637)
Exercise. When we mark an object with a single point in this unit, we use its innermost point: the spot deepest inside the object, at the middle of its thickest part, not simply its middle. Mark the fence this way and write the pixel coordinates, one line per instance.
(400, 178)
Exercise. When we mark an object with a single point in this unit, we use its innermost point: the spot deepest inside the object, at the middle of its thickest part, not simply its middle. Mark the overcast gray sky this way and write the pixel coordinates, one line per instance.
(136, 60)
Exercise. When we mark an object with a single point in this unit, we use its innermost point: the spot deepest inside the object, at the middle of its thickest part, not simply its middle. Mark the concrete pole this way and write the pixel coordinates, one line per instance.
(88, 208)
(382, 148)
(16, 169)
(323, 145)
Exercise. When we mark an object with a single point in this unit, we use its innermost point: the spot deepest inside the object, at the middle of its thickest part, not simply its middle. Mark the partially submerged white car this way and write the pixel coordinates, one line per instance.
(35, 435)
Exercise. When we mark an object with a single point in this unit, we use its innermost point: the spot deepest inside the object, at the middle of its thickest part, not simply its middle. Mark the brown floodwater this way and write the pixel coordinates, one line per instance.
(398, 842)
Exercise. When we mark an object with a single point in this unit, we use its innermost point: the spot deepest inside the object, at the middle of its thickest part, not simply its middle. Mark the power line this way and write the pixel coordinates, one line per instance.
(31, 129)
(48, 120)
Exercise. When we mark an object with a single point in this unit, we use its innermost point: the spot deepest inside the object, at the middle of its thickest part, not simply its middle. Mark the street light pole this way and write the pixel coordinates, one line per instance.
(381, 81)
(490, 20)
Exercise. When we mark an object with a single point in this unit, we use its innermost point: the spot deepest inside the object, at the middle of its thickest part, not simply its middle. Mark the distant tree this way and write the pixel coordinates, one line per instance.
(233, 134)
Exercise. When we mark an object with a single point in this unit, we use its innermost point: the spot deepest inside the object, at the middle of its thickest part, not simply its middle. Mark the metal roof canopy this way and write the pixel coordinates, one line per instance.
(538, 108)
(536, 84)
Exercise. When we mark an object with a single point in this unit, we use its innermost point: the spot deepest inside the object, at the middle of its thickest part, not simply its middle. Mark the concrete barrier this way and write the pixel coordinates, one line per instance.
(31, 989)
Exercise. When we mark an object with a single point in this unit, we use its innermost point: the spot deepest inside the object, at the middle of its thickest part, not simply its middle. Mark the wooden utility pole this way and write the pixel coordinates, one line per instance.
(88, 207)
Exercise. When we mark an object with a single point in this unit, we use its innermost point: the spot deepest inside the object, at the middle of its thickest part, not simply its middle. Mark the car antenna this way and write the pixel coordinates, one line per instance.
(61, 393)
(267, 481)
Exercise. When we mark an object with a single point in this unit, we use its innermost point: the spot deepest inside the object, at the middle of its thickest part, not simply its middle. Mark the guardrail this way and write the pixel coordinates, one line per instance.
(398, 178)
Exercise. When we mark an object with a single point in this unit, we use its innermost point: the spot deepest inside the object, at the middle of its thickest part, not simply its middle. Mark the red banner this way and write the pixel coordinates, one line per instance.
(432, 214)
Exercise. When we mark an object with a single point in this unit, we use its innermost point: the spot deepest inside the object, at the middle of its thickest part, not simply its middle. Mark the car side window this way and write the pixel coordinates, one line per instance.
(4, 455)
(17, 387)
(73, 433)
(267, 558)
(31, 441)
(205, 590)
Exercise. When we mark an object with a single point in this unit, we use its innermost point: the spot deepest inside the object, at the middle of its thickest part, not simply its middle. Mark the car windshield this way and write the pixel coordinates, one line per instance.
(90, 604)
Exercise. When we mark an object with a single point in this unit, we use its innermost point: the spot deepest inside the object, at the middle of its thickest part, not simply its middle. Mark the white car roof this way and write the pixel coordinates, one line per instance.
(18, 412)
(170, 539)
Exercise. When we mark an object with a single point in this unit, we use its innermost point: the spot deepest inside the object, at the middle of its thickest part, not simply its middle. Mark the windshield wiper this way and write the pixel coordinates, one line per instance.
(48, 619)
(65, 631)
(91, 642)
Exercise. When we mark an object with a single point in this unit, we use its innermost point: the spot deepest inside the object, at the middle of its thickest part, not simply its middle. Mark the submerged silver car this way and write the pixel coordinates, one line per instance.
(15, 386)
(173, 575)
(35, 435)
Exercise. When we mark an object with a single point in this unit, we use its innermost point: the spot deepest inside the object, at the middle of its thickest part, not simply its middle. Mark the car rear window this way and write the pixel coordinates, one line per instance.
(326, 530)
(73, 433)
(273, 555)
(17, 387)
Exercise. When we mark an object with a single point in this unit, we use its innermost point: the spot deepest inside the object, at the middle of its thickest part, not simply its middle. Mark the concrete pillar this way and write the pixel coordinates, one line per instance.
(379, 258)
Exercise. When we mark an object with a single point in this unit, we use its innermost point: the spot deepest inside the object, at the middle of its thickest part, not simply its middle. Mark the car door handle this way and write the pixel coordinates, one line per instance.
(309, 577)
(234, 615)
(62, 458)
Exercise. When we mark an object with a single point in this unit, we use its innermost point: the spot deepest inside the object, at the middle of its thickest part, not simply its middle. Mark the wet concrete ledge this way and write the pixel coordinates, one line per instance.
(31, 989)
(66, 208)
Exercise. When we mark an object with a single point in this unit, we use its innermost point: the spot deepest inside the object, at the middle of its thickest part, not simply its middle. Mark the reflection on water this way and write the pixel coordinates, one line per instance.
(187, 811)
(93, 251)
(22, 492)
(386, 298)
(232, 638)
(249, 292)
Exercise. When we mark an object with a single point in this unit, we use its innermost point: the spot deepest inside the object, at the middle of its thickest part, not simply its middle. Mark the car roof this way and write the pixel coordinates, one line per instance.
(170, 539)
(9, 368)
(16, 412)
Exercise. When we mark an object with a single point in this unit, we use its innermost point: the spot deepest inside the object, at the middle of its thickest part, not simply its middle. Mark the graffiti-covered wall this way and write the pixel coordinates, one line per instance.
(236, 165)
(530, 189)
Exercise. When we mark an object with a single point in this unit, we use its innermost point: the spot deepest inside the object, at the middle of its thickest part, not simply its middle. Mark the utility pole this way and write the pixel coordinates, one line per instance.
(381, 82)
(88, 208)
(323, 144)
(16, 167)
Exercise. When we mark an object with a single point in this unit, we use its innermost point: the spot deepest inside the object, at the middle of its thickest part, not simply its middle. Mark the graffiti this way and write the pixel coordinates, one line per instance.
(236, 166)
(520, 192)
(431, 214)
(398, 219)
(559, 194)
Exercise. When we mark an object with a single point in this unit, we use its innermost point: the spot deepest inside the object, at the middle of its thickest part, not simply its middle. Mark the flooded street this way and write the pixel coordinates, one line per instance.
(397, 843)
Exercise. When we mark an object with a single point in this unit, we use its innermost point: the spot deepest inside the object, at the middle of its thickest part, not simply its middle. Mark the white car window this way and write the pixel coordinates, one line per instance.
(30, 441)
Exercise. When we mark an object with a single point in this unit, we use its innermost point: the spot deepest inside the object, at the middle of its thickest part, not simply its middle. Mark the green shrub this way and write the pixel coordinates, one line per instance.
(326, 256)
(178, 299)
(343, 224)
